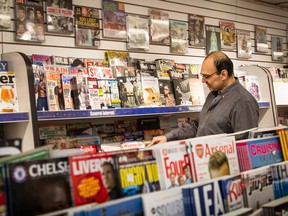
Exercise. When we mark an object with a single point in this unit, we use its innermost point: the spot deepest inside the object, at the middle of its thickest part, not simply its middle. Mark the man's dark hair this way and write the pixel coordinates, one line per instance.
(216, 160)
(221, 62)
(106, 163)
(77, 62)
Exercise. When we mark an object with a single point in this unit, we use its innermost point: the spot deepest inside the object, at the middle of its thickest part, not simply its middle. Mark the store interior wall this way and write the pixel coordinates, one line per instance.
(245, 15)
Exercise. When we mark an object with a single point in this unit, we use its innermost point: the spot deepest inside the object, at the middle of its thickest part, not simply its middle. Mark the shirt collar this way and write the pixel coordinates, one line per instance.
(229, 88)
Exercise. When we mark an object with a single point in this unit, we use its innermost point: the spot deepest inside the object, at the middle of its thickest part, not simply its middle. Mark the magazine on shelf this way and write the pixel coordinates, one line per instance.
(114, 93)
(92, 99)
(38, 59)
(277, 48)
(276, 207)
(168, 202)
(39, 180)
(9, 95)
(137, 172)
(87, 21)
(137, 32)
(60, 60)
(252, 84)
(173, 165)
(67, 88)
(114, 20)
(179, 37)
(40, 87)
(196, 30)
(125, 206)
(244, 45)
(259, 152)
(261, 39)
(29, 21)
(203, 199)
(55, 97)
(228, 35)
(5, 22)
(182, 92)
(166, 93)
(205, 151)
(151, 91)
(89, 178)
(60, 18)
(280, 179)
(257, 187)
(232, 193)
(197, 91)
(130, 91)
(159, 26)
(213, 42)
(115, 58)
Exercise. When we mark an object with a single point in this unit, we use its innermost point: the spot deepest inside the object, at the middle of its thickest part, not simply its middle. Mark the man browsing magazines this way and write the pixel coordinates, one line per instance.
(228, 108)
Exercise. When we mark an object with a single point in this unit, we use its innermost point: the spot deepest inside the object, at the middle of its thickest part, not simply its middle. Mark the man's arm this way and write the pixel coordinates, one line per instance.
(185, 132)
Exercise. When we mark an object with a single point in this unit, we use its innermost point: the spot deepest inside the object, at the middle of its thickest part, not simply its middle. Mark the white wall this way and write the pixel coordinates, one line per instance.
(245, 15)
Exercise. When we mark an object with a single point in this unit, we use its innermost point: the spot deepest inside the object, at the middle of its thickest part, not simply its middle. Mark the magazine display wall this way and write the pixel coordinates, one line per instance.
(29, 130)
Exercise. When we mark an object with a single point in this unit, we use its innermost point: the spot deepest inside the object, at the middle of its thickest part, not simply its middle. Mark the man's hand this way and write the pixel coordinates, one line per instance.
(157, 139)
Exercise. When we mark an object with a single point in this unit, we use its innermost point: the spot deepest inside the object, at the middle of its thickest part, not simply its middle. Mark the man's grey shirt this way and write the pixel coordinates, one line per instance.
(229, 110)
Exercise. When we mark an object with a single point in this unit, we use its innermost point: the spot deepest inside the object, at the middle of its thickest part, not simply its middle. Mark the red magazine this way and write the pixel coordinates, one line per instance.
(88, 184)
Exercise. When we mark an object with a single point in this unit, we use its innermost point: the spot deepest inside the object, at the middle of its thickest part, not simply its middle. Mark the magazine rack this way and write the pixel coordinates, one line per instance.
(267, 115)
(22, 124)
(28, 130)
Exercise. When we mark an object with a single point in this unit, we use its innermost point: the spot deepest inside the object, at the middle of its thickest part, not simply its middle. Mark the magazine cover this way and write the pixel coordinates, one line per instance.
(173, 165)
(115, 58)
(5, 21)
(277, 48)
(42, 60)
(182, 92)
(244, 46)
(114, 93)
(67, 88)
(54, 89)
(100, 72)
(167, 93)
(137, 172)
(92, 98)
(196, 30)
(114, 20)
(9, 96)
(261, 151)
(90, 178)
(130, 91)
(40, 88)
(137, 32)
(60, 60)
(203, 199)
(232, 193)
(252, 84)
(159, 26)
(261, 39)
(87, 23)
(29, 21)
(257, 187)
(280, 179)
(126, 206)
(213, 42)
(50, 176)
(168, 202)
(179, 37)
(151, 91)
(60, 18)
(228, 35)
(205, 152)
(197, 91)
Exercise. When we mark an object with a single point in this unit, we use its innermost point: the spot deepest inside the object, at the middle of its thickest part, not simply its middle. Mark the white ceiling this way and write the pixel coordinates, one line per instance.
(277, 3)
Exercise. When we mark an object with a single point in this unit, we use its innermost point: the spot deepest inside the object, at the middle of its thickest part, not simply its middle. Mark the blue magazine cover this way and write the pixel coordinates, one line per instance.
(131, 206)
(276, 181)
(283, 177)
(265, 151)
(206, 199)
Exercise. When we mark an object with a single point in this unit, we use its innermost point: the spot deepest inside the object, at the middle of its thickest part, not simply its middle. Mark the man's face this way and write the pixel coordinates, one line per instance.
(209, 75)
(108, 177)
(222, 171)
(21, 14)
(21, 29)
(186, 173)
(172, 179)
